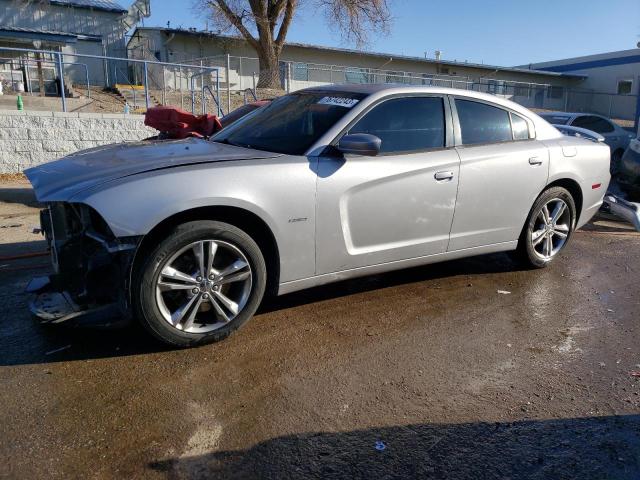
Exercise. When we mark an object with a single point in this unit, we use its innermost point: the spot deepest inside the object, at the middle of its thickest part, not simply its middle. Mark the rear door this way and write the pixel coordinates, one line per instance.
(396, 205)
(503, 169)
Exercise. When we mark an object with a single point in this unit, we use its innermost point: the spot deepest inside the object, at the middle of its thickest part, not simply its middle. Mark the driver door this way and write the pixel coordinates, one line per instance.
(396, 205)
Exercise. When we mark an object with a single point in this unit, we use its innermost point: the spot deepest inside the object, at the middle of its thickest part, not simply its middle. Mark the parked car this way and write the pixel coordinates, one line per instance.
(321, 185)
(580, 132)
(614, 135)
(628, 174)
(241, 111)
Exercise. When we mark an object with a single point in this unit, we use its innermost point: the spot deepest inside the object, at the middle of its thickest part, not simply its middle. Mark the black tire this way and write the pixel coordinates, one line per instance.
(526, 252)
(148, 269)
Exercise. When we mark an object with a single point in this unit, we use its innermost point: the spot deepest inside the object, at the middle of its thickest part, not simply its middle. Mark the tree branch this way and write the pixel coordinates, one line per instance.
(235, 20)
(286, 22)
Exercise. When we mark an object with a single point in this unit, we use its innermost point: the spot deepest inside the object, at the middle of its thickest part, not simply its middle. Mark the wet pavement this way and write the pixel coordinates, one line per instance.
(425, 372)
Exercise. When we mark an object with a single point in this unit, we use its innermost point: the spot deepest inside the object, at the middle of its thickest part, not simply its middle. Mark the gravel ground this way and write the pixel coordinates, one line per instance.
(426, 372)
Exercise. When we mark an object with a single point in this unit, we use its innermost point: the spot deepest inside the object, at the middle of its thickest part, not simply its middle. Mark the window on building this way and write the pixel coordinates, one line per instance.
(593, 123)
(520, 127)
(405, 124)
(356, 75)
(520, 90)
(625, 87)
(496, 87)
(482, 123)
(395, 77)
(555, 91)
(300, 72)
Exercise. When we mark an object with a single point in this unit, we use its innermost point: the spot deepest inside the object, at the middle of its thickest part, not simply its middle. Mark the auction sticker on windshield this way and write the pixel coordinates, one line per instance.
(338, 101)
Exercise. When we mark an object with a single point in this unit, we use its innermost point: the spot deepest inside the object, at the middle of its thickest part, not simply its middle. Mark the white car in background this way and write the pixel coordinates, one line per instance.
(614, 135)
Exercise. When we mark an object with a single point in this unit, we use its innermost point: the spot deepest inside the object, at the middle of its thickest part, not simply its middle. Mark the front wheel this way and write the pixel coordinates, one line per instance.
(200, 284)
(549, 227)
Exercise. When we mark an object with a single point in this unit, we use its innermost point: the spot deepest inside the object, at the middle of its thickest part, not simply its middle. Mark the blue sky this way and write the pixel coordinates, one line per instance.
(498, 32)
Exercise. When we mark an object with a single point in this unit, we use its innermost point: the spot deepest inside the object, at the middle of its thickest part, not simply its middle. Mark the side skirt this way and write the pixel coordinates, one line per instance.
(295, 285)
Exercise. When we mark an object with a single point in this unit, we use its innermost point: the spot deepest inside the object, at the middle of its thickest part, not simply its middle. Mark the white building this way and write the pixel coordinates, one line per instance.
(91, 27)
(611, 84)
(311, 65)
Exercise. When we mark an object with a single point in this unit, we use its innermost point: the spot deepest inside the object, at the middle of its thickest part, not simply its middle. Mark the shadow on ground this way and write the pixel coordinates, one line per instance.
(483, 264)
(585, 448)
(24, 341)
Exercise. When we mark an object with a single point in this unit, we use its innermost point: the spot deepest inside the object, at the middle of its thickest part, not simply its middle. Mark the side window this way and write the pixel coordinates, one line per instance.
(520, 127)
(482, 123)
(405, 124)
(593, 123)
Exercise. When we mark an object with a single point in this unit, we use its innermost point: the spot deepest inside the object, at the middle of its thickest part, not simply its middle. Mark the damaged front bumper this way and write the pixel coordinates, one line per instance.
(92, 269)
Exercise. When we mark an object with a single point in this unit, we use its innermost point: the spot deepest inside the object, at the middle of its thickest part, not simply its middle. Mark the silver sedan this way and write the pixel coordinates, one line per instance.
(321, 185)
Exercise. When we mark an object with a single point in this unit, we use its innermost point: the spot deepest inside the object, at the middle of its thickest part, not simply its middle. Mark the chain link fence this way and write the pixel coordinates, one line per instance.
(221, 83)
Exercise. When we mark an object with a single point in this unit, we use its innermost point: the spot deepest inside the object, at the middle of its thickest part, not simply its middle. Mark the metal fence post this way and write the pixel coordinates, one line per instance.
(181, 92)
(146, 85)
(254, 83)
(164, 86)
(228, 83)
(218, 92)
(86, 71)
(61, 73)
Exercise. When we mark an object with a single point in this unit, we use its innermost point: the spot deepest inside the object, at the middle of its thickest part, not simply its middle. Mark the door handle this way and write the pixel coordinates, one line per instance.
(535, 161)
(440, 176)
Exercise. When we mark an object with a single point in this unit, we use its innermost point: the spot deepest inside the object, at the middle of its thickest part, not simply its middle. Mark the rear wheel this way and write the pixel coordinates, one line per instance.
(200, 284)
(549, 227)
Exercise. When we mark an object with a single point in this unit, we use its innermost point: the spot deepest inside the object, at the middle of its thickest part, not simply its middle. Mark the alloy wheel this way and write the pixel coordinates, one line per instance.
(203, 286)
(551, 229)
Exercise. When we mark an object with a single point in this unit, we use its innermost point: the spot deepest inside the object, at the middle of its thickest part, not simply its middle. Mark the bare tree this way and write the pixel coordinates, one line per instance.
(264, 24)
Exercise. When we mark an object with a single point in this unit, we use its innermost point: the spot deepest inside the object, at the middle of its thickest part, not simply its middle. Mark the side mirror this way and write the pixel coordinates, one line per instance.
(360, 144)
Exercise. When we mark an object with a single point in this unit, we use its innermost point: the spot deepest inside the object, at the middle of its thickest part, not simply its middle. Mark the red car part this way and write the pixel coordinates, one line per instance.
(176, 123)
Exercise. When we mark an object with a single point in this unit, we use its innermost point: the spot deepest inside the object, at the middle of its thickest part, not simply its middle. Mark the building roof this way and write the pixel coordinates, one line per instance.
(105, 5)
(45, 35)
(370, 54)
(608, 59)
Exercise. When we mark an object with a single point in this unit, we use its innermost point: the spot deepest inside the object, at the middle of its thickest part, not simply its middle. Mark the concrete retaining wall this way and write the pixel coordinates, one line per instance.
(31, 138)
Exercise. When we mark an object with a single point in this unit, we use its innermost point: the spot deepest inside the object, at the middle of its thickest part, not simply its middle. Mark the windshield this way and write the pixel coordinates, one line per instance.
(290, 124)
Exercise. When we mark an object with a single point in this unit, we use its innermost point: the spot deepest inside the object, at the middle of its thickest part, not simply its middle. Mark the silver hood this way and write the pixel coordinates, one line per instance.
(62, 179)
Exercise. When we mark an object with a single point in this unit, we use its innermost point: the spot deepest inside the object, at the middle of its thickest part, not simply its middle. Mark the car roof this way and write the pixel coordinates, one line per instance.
(376, 92)
(383, 89)
(570, 114)
(556, 114)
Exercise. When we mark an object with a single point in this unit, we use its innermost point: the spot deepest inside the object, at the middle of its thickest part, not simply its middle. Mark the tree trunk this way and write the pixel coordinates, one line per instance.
(269, 70)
